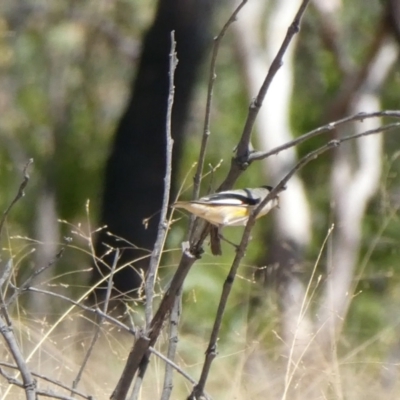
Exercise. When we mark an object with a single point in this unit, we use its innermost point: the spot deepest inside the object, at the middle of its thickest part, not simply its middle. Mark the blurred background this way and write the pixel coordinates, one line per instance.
(83, 91)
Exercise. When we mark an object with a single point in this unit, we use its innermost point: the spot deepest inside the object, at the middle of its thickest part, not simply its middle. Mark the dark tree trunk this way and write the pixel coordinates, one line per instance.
(135, 170)
(393, 17)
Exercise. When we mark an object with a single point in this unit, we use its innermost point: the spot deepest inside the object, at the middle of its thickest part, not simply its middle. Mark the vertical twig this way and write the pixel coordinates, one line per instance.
(3, 278)
(163, 224)
(6, 273)
(6, 327)
(19, 194)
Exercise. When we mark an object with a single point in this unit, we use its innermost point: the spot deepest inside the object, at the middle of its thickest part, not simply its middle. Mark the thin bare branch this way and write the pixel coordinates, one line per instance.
(128, 374)
(29, 280)
(20, 194)
(96, 311)
(29, 383)
(172, 345)
(52, 381)
(260, 155)
(6, 273)
(163, 224)
(211, 81)
(177, 367)
(4, 277)
(380, 129)
(45, 393)
(243, 151)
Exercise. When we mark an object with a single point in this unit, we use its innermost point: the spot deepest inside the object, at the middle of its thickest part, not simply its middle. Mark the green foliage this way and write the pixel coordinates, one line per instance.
(65, 92)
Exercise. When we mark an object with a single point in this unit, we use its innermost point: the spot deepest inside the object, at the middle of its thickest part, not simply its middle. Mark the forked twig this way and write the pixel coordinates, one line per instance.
(241, 161)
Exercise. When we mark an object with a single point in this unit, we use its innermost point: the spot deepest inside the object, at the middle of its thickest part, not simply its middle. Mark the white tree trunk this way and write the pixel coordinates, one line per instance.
(354, 181)
(292, 222)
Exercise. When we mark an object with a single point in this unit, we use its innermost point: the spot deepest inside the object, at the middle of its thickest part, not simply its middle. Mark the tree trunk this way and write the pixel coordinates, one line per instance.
(136, 167)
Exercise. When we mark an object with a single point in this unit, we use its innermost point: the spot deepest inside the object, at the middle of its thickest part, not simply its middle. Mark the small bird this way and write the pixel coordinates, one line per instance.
(230, 207)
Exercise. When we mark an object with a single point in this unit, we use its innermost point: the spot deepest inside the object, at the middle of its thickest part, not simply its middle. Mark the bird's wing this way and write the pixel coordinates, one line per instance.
(230, 198)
